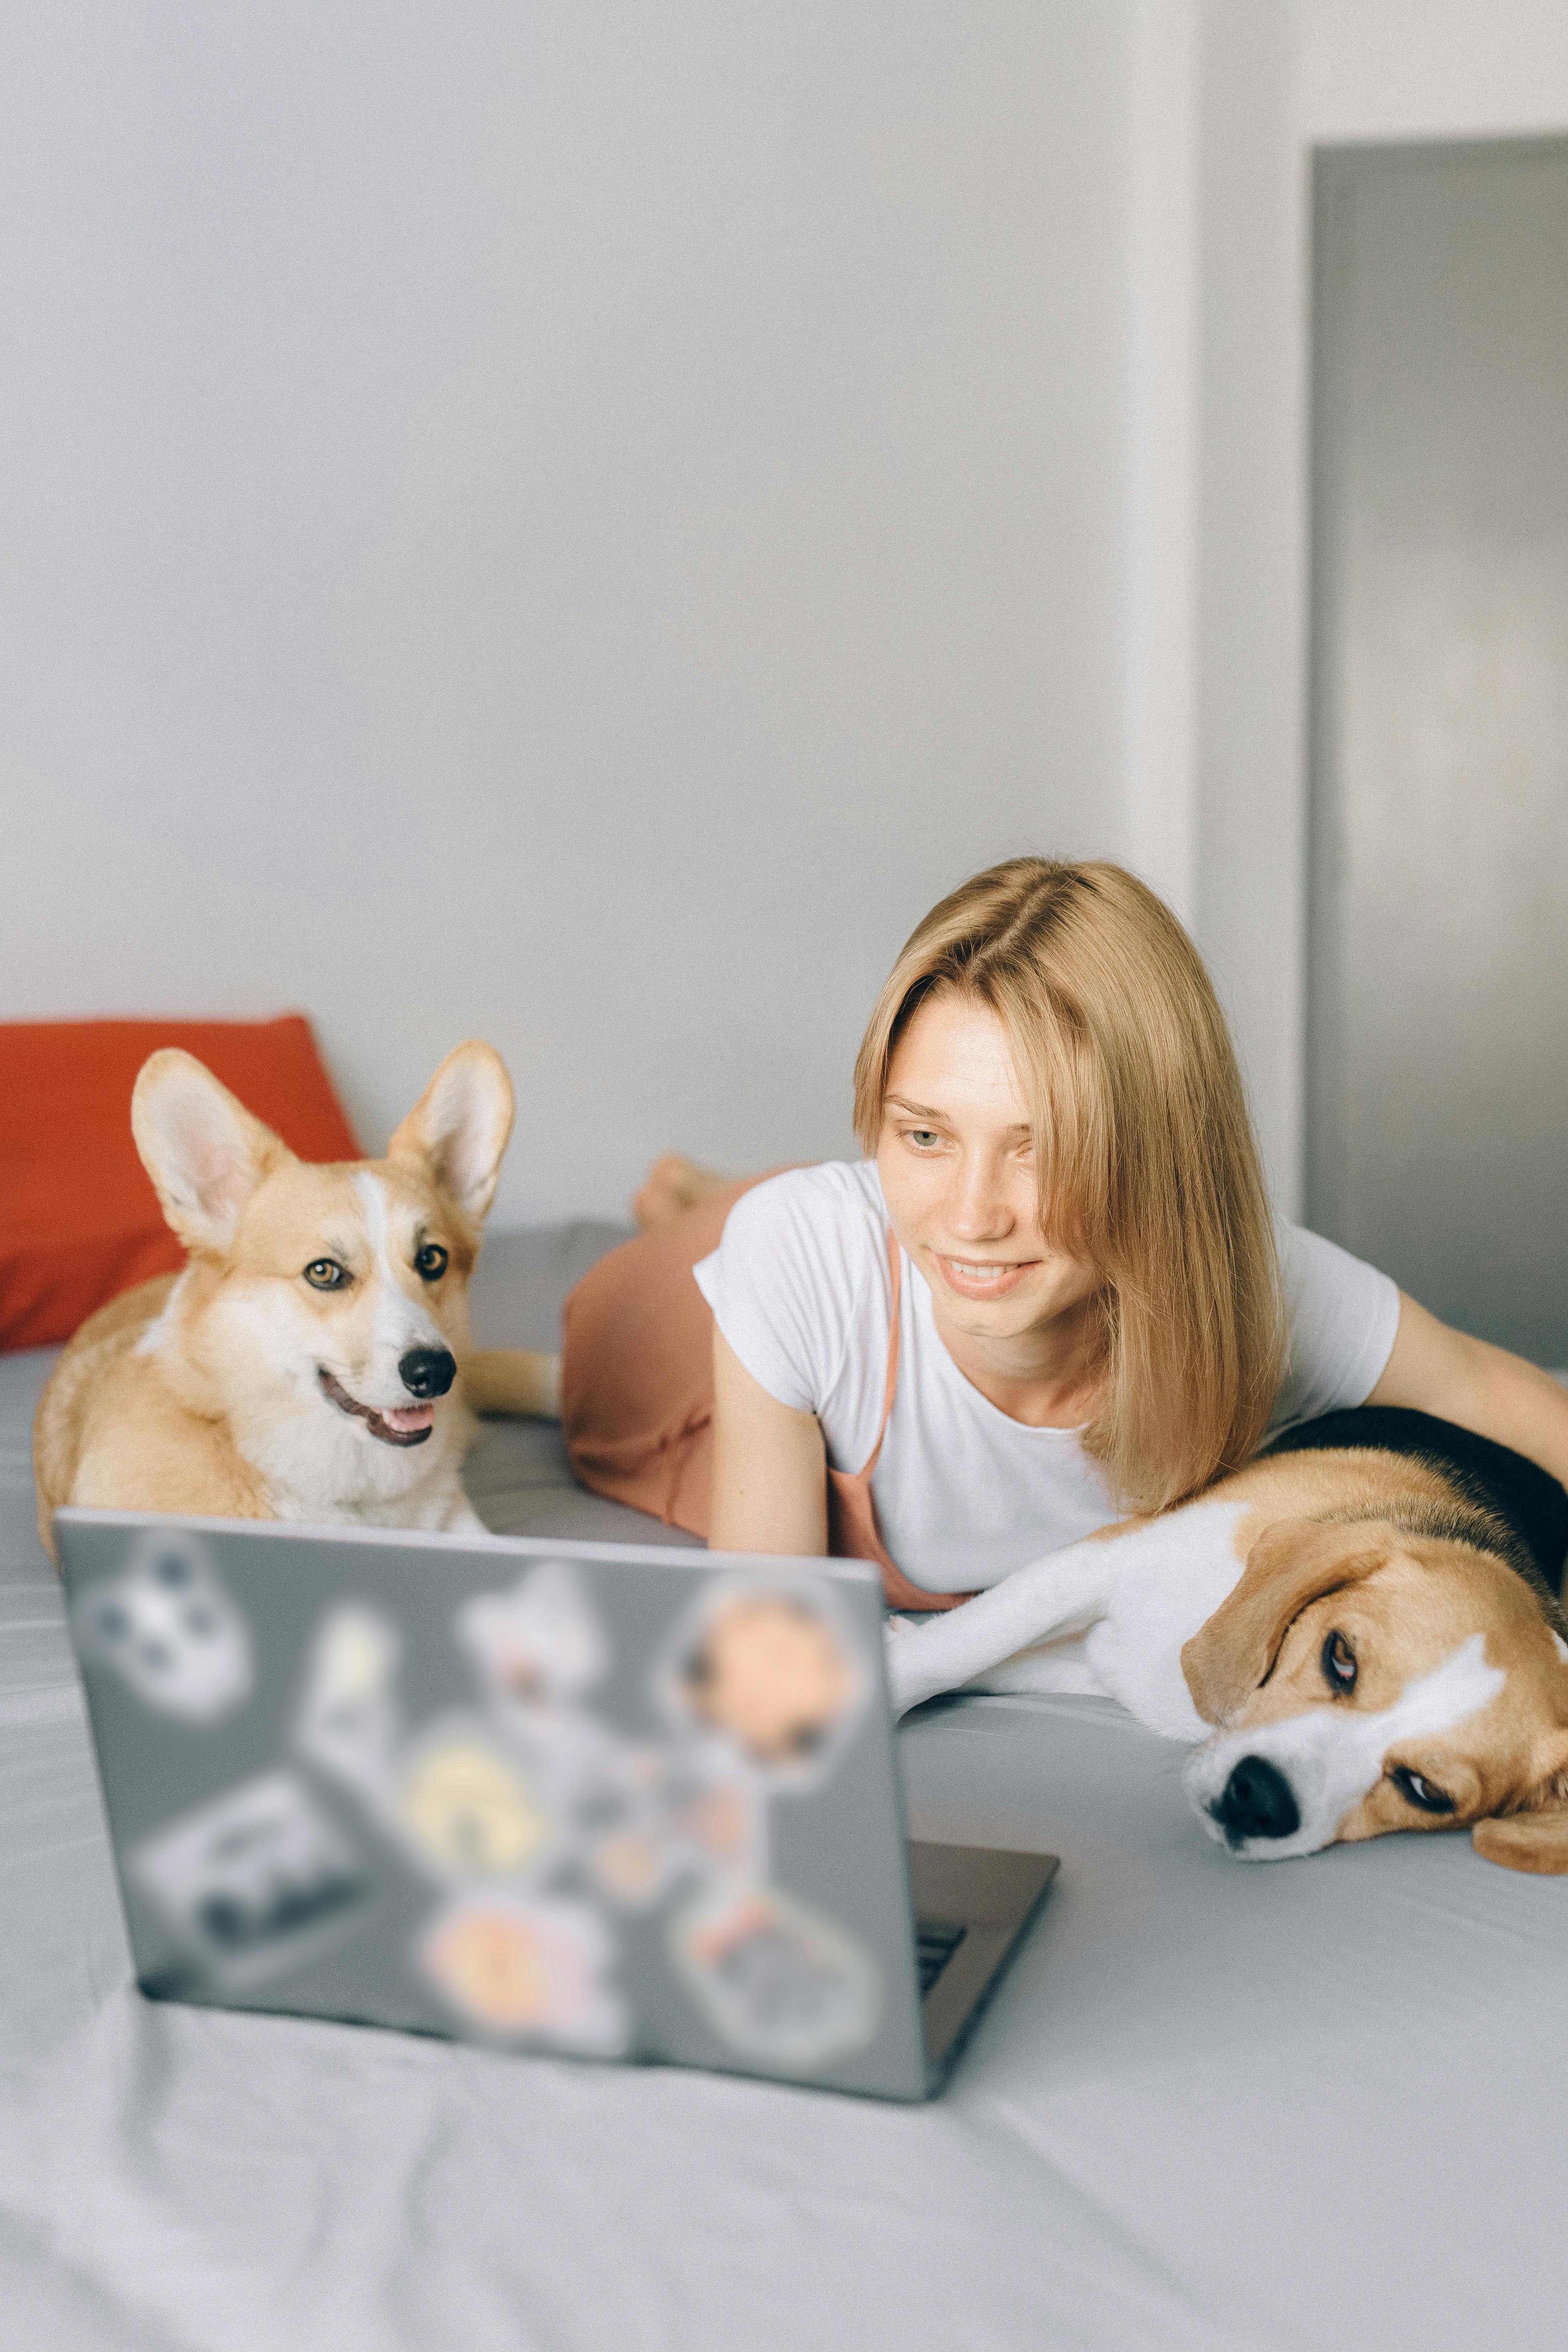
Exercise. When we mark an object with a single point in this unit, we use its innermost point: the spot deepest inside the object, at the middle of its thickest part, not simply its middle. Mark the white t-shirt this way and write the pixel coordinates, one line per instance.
(800, 1288)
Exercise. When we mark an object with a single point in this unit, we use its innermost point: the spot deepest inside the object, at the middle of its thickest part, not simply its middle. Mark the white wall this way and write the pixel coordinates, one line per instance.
(575, 524)
(570, 524)
(1215, 633)
(1250, 920)
(1429, 69)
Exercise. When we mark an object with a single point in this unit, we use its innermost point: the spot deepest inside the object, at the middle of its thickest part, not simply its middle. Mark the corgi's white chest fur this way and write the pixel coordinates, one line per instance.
(331, 1471)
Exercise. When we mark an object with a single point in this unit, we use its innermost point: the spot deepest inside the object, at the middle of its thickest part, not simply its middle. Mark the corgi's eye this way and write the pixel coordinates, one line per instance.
(1419, 1792)
(430, 1263)
(1339, 1665)
(326, 1274)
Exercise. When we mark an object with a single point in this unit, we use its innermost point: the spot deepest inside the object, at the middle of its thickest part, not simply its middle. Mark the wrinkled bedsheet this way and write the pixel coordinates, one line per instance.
(1317, 2104)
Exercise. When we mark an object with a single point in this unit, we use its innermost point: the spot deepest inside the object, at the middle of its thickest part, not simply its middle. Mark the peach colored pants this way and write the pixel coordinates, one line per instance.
(637, 1391)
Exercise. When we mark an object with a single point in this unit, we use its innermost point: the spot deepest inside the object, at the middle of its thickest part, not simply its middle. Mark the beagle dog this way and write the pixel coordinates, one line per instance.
(1358, 1633)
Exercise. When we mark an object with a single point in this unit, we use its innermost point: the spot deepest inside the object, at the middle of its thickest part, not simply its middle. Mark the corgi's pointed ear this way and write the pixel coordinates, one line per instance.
(204, 1150)
(460, 1127)
(1292, 1564)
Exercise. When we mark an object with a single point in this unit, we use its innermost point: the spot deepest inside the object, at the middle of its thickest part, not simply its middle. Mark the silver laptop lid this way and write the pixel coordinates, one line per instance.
(616, 1801)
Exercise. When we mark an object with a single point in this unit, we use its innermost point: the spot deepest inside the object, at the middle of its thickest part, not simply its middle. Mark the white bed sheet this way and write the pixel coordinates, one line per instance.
(1313, 2105)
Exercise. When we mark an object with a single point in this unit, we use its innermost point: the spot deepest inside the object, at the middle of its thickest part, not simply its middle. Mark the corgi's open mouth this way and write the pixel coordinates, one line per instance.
(405, 1426)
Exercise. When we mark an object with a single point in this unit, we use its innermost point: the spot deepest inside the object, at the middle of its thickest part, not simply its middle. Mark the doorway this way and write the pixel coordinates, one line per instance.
(1438, 1046)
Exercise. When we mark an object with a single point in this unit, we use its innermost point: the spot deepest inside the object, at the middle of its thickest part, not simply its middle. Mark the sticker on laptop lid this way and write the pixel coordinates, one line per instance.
(348, 1722)
(168, 1628)
(466, 1808)
(252, 1880)
(774, 1672)
(515, 1969)
(776, 1980)
(717, 1816)
(538, 1648)
(619, 1827)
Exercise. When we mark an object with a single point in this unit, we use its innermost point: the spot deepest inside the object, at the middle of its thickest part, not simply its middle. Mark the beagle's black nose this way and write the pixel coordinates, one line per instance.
(427, 1371)
(1259, 1802)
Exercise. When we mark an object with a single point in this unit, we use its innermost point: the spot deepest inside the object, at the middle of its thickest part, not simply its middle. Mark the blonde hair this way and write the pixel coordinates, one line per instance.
(1144, 1152)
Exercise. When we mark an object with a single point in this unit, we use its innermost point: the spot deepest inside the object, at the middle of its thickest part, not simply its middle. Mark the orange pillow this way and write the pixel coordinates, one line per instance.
(79, 1220)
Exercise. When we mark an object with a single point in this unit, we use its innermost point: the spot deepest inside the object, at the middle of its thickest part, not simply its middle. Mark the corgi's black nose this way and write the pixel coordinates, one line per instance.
(1259, 1802)
(427, 1371)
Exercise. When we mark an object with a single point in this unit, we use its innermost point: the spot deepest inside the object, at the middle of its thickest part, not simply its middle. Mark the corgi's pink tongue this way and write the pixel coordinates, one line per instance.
(411, 1416)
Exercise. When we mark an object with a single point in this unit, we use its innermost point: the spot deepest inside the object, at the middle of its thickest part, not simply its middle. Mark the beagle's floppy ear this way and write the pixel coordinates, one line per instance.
(461, 1126)
(1537, 1838)
(1293, 1562)
(204, 1150)
(1537, 1842)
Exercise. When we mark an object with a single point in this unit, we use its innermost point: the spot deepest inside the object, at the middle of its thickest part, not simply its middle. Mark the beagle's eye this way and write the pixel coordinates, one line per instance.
(1339, 1665)
(430, 1263)
(326, 1274)
(1419, 1792)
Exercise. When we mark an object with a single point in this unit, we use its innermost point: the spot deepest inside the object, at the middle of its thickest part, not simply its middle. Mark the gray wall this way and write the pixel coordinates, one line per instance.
(568, 524)
(1439, 1126)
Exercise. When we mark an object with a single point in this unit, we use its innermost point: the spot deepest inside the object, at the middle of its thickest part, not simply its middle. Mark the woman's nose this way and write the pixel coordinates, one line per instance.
(978, 1210)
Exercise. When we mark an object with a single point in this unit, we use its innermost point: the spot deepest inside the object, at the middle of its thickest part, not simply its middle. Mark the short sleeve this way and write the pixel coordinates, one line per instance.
(1343, 1315)
(787, 1280)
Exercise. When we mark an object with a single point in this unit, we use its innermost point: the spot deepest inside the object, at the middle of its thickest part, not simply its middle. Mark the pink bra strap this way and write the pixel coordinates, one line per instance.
(895, 1269)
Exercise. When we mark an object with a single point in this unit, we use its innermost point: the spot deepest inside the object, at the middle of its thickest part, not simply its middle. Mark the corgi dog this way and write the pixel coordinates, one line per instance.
(309, 1361)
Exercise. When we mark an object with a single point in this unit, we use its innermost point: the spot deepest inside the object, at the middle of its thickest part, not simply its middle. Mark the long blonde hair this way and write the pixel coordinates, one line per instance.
(1144, 1152)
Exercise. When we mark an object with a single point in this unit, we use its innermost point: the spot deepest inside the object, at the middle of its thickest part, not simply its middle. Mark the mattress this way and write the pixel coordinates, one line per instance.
(1308, 2104)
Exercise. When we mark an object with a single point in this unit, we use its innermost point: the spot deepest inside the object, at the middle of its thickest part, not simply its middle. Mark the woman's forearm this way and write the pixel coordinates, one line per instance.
(1434, 1369)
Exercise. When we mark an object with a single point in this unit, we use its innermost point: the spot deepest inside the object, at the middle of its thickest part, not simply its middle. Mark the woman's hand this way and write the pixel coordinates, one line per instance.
(1434, 1369)
(769, 1467)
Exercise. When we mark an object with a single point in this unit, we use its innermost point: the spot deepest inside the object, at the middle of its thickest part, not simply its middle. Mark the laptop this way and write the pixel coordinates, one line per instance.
(607, 1801)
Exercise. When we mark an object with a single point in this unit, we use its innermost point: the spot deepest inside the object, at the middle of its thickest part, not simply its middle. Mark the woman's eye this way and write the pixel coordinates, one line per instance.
(1418, 1791)
(430, 1263)
(326, 1274)
(924, 1138)
(1339, 1665)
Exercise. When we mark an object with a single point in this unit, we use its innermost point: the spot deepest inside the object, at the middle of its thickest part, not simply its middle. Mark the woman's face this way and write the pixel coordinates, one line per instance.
(958, 1175)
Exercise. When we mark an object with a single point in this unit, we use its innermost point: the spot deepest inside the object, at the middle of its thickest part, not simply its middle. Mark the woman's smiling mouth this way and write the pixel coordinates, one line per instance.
(983, 1277)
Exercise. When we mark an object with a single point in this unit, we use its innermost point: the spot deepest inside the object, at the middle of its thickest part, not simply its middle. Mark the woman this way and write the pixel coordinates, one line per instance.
(1051, 1293)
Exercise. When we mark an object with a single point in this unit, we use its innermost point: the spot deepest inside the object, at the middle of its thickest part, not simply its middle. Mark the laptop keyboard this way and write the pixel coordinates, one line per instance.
(934, 1946)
